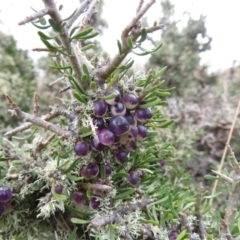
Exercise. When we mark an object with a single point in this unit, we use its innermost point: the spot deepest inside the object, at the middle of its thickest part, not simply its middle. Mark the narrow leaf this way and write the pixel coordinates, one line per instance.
(130, 42)
(143, 35)
(109, 97)
(40, 27)
(73, 234)
(83, 33)
(79, 97)
(54, 25)
(161, 72)
(70, 16)
(125, 194)
(79, 221)
(119, 47)
(58, 196)
(48, 45)
(44, 36)
(87, 47)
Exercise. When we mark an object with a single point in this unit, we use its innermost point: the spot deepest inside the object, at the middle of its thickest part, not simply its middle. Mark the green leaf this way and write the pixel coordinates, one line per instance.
(44, 36)
(151, 104)
(42, 21)
(60, 7)
(87, 134)
(119, 47)
(73, 165)
(119, 175)
(87, 47)
(61, 68)
(74, 178)
(93, 85)
(70, 16)
(40, 27)
(54, 25)
(130, 42)
(83, 33)
(73, 234)
(161, 72)
(167, 124)
(155, 23)
(210, 177)
(79, 221)
(109, 97)
(76, 85)
(88, 36)
(183, 235)
(48, 45)
(149, 52)
(58, 196)
(76, 211)
(143, 35)
(73, 30)
(148, 80)
(125, 194)
(162, 94)
(80, 97)
(212, 196)
(85, 69)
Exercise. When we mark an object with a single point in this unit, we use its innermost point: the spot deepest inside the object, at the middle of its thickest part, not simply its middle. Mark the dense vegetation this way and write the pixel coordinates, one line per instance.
(107, 161)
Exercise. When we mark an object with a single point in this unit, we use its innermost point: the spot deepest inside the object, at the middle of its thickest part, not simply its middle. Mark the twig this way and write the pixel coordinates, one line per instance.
(223, 176)
(225, 149)
(225, 229)
(35, 105)
(80, 10)
(184, 222)
(65, 89)
(202, 229)
(153, 29)
(36, 15)
(38, 121)
(139, 6)
(88, 15)
(87, 186)
(116, 216)
(42, 145)
(56, 111)
(135, 28)
(233, 198)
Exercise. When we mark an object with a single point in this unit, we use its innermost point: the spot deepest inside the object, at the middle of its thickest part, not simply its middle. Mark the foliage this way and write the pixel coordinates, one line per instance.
(68, 186)
(183, 44)
(17, 77)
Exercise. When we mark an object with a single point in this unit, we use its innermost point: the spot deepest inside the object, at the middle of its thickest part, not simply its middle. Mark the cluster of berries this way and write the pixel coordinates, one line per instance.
(118, 123)
(5, 197)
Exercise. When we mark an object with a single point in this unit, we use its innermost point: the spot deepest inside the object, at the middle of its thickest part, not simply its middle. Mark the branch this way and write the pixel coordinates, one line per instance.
(153, 29)
(233, 198)
(184, 222)
(202, 229)
(81, 9)
(88, 14)
(91, 186)
(38, 121)
(36, 15)
(223, 176)
(225, 229)
(35, 105)
(133, 30)
(116, 216)
(139, 6)
(56, 111)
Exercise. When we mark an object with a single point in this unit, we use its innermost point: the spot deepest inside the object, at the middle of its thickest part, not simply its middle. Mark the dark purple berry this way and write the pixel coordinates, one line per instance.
(131, 145)
(96, 145)
(94, 168)
(143, 114)
(142, 133)
(78, 197)
(1, 209)
(134, 132)
(58, 189)
(98, 123)
(86, 172)
(131, 119)
(98, 191)
(133, 178)
(118, 109)
(114, 100)
(119, 125)
(94, 203)
(100, 108)
(106, 137)
(5, 194)
(108, 169)
(172, 235)
(161, 163)
(120, 156)
(72, 116)
(81, 148)
(130, 100)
